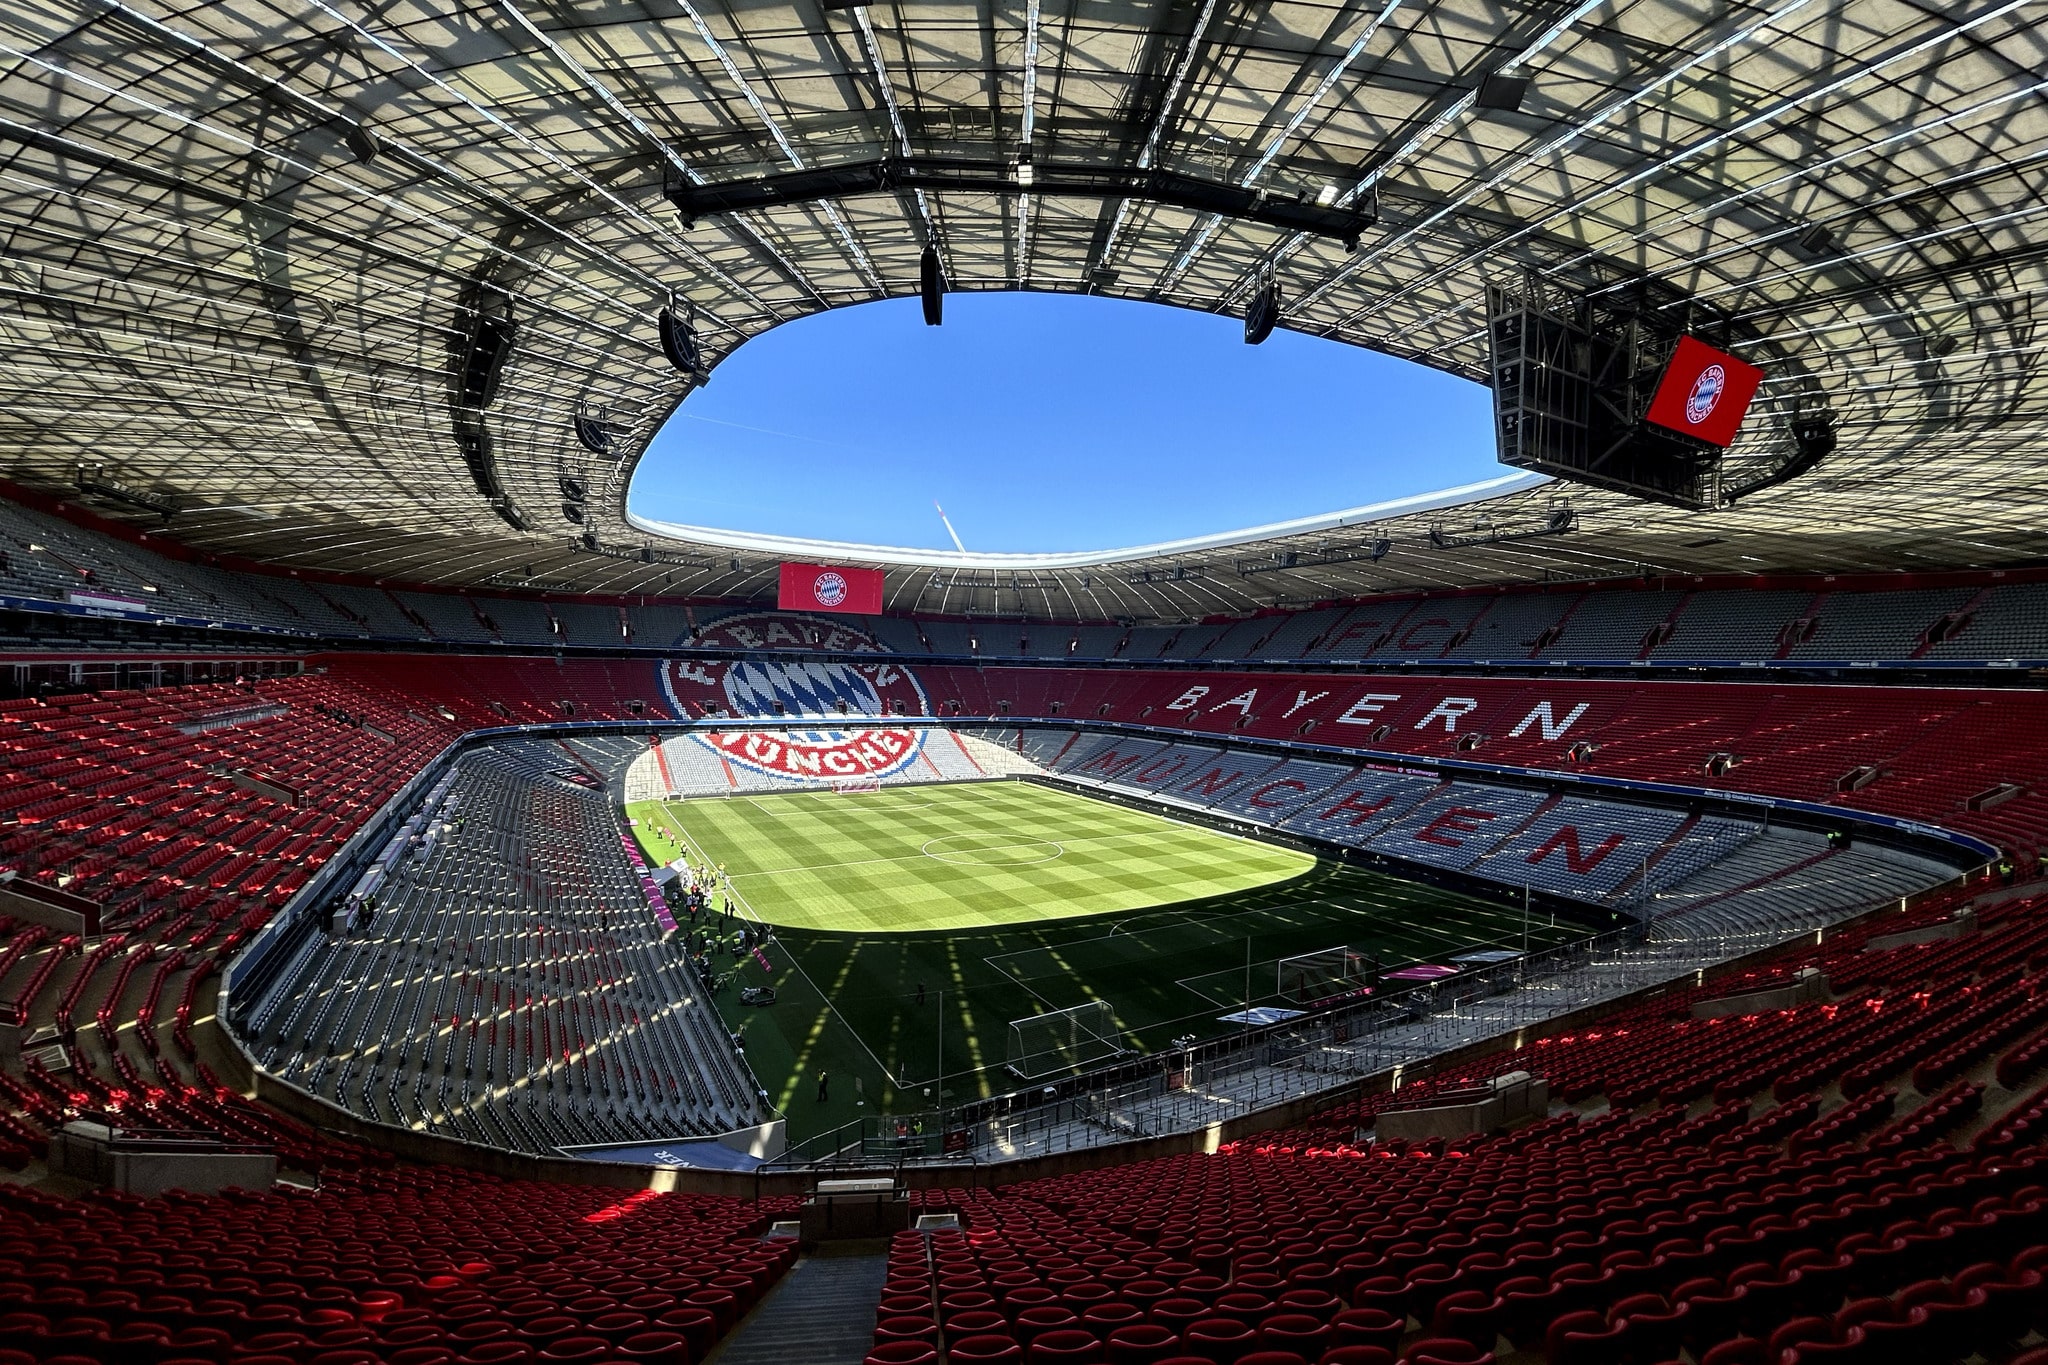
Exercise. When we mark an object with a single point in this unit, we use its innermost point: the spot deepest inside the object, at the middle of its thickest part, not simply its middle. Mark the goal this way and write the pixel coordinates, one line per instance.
(1065, 1040)
(1309, 977)
(842, 786)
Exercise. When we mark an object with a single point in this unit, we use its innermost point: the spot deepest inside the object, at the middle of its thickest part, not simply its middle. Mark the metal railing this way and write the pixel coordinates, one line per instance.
(1185, 1091)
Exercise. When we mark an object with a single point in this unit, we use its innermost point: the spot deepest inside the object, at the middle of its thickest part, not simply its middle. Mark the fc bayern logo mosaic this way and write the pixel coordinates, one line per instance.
(800, 690)
(1706, 394)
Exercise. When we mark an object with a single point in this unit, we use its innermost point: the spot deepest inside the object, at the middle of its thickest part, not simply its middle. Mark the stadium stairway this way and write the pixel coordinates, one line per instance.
(822, 1313)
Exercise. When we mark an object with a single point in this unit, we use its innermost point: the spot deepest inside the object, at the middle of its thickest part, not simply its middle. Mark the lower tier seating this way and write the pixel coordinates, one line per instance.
(409, 1265)
(1863, 1179)
(512, 987)
(1857, 1178)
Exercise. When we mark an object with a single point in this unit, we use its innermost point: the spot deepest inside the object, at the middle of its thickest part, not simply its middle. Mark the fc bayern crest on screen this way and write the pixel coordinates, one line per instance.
(1706, 394)
(818, 697)
(830, 589)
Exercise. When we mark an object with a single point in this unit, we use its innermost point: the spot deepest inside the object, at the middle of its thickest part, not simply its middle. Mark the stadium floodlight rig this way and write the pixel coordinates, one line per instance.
(678, 330)
(94, 483)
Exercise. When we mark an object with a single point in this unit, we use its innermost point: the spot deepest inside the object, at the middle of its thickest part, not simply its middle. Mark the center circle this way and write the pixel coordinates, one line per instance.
(991, 850)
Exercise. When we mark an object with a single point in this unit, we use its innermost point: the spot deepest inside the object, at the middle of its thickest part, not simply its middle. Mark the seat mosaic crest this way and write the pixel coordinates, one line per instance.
(799, 689)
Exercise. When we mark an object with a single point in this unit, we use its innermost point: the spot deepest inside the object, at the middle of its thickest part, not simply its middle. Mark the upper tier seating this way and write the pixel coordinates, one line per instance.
(1733, 625)
(1512, 627)
(658, 627)
(43, 556)
(448, 616)
(380, 614)
(1614, 622)
(2008, 621)
(1887, 625)
(1927, 751)
(1618, 632)
(590, 625)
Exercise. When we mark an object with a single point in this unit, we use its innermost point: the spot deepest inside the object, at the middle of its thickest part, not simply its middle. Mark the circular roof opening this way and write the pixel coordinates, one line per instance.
(1047, 425)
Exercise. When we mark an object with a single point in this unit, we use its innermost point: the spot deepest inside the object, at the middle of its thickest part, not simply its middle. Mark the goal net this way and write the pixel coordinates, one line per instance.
(1308, 977)
(1065, 1040)
(844, 785)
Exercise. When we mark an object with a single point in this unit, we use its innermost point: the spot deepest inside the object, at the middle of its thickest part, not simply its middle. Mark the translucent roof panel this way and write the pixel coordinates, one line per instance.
(258, 254)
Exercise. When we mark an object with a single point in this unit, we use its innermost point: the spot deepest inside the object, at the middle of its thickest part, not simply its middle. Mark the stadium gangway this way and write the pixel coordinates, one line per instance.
(877, 1139)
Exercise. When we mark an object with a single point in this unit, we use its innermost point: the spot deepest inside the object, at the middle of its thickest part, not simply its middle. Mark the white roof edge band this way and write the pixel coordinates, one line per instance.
(840, 551)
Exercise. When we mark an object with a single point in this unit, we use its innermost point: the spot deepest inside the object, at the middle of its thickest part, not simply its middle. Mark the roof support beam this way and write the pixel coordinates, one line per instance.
(942, 174)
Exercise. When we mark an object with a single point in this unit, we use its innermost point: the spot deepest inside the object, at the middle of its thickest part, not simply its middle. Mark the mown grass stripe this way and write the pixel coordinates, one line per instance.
(1138, 906)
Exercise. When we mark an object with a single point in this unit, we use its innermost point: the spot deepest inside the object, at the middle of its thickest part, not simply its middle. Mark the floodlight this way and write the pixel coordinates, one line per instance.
(1815, 239)
(1263, 314)
(679, 343)
(592, 433)
(931, 283)
(362, 143)
(1501, 91)
(490, 347)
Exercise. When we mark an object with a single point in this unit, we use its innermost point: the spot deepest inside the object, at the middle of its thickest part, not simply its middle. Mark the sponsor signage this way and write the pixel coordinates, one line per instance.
(1704, 393)
(101, 602)
(823, 587)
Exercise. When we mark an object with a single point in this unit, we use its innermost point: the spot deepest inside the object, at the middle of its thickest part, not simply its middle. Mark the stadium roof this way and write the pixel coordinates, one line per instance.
(259, 253)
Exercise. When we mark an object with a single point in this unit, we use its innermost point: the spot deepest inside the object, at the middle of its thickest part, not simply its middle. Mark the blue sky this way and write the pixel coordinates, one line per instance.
(1051, 422)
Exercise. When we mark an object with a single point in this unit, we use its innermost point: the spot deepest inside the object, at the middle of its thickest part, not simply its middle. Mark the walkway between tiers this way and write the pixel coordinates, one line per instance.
(823, 1313)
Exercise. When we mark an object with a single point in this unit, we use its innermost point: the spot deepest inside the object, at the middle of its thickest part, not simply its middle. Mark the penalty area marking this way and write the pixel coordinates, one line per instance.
(896, 801)
(1016, 853)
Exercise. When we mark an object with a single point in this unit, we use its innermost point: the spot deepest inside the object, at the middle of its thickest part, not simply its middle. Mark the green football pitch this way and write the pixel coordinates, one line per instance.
(972, 856)
(996, 901)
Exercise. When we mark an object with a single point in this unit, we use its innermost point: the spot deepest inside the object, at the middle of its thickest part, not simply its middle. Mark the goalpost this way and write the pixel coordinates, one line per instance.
(1308, 977)
(1064, 1040)
(842, 786)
